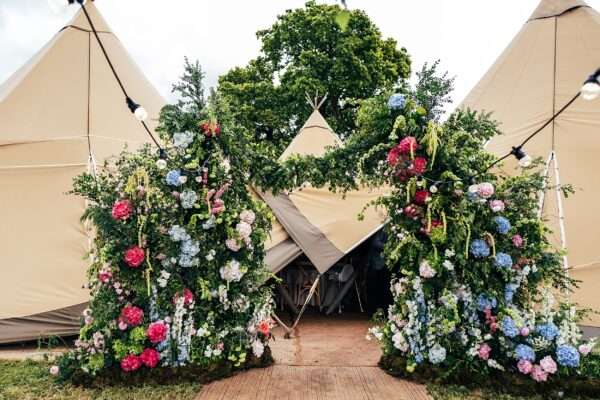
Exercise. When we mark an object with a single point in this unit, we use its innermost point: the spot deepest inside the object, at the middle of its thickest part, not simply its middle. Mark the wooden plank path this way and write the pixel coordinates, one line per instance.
(328, 359)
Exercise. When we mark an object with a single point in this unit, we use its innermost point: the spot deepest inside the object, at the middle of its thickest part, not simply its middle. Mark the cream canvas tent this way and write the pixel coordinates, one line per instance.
(59, 114)
(539, 72)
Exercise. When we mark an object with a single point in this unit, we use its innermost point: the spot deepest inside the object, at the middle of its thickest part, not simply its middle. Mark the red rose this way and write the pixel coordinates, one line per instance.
(134, 256)
(408, 145)
(131, 315)
(149, 358)
(264, 328)
(188, 297)
(130, 363)
(122, 209)
(421, 196)
(157, 332)
(393, 156)
(418, 166)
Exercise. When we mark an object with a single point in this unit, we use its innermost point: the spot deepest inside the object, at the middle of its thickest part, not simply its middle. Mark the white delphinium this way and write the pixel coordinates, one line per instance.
(163, 278)
(449, 253)
(448, 265)
(494, 364)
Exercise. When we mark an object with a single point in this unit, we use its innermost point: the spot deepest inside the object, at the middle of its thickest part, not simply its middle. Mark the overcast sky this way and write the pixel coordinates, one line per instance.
(467, 35)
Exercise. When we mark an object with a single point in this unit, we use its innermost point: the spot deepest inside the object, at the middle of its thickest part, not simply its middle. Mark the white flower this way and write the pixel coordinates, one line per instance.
(182, 179)
(437, 354)
(211, 255)
(258, 348)
(494, 364)
(232, 271)
(183, 139)
(177, 233)
(448, 265)
(210, 223)
(244, 229)
(226, 164)
(449, 253)
(425, 269)
(232, 244)
(248, 216)
(400, 342)
(188, 198)
(54, 370)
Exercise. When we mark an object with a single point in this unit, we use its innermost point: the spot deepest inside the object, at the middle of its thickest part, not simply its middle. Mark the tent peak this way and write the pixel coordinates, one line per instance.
(314, 102)
(80, 21)
(555, 8)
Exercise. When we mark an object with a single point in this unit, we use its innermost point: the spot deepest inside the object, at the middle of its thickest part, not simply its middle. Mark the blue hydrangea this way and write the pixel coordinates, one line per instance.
(502, 225)
(479, 248)
(484, 302)
(524, 352)
(503, 260)
(173, 177)
(509, 327)
(509, 291)
(567, 356)
(549, 331)
(396, 101)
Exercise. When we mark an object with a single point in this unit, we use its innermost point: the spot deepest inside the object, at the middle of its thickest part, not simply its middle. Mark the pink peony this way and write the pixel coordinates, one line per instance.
(517, 241)
(232, 244)
(548, 365)
(408, 145)
(248, 216)
(122, 210)
(130, 363)
(134, 256)
(497, 205)
(485, 190)
(524, 366)
(484, 351)
(150, 358)
(157, 332)
(538, 374)
(421, 196)
(131, 315)
(419, 166)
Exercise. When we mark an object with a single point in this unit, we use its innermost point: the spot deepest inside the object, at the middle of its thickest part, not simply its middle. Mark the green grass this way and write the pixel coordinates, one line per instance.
(25, 380)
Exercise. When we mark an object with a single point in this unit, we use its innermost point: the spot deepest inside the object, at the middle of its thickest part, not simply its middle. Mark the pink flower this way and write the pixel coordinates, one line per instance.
(524, 331)
(408, 145)
(264, 328)
(122, 325)
(157, 332)
(425, 270)
(484, 351)
(517, 241)
(524, 366)
(130, 363)
(122, 210)
(393, 156)
(105, 274)
(188, 297)
(548, 364)
(585, 349)
(150, 358)
(497, 205)
(232, 244)
(411, 211)
(538, 374)
(54, 370)
(421, 196)
(419, 166)
(485, 190)
(134, 256)
(248, 216)
(131, 315)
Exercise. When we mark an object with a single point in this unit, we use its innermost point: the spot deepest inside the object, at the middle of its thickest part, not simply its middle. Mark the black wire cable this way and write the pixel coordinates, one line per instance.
(112, 68)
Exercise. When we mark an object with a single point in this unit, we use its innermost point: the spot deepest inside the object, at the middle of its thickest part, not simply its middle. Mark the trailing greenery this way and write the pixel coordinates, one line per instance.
(177, 274)
(308, 50)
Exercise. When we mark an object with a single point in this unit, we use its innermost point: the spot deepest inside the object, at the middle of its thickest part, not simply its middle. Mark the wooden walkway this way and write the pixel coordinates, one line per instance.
(328, 359)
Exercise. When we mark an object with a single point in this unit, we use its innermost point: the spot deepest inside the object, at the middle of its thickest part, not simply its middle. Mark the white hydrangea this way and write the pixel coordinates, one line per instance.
(244, 229)
(248, 216)
(400, 342)
(448, 265)
(437, 354)
(163, 278)
(233, 244)
(425, 269)
(188, 198)
(183, 139)
(232, 272)
(178, 234)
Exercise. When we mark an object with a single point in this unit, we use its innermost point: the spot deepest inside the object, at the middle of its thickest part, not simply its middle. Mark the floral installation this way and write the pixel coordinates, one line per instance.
(178, 272)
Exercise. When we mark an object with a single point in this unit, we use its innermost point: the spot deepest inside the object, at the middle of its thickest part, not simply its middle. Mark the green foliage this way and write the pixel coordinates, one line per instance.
(307, 51)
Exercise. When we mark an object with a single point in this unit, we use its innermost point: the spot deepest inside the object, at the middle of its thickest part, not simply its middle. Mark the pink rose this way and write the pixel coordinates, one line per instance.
(122, 325)
(232, 244)
(497, 205)
(150, 358)
(524, 366)
(548, 364)
(122, 210)
(130, 363)
(517, 241)
(131, 315)
(157, 332)
(484, 351)
(538, 374)
(485, 190)
(134, 256)
(265, 328)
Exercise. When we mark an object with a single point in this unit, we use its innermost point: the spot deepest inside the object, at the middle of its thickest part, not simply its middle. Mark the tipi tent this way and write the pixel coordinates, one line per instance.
(539, 72)
(59, 114)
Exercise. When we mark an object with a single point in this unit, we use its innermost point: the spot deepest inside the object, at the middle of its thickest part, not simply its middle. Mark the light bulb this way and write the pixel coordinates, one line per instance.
(140, 113)
(161, 164)
(525, 161)
(590, 90)
(182, 179)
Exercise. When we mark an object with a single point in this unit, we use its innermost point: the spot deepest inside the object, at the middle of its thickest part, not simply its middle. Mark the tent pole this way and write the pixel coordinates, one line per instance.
(286, 328)
(561, 214)
(308, 298)
(542, 194)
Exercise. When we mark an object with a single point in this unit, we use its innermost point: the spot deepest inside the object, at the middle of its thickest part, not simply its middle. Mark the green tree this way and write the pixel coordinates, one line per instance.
(308, 51)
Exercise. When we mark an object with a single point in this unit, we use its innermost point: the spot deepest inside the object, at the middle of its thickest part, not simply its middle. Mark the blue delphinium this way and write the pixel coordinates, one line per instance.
(502, 225)
(509, 291)
(484, 302)
(173, 177)
(396, 101)
(479, 248)
(524, 352)
(549, 331)
(509, 327)
(567, 356)
(503, 260)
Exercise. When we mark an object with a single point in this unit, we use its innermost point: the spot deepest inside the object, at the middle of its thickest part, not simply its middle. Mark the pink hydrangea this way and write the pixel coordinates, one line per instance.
(485, 190)
(517, 241)
(548, 365)
(524, 366)
(497, 205)
(538, 374)
(150, 358)
(248, 216)
(484, 351)
(425, 270)
(131, 363)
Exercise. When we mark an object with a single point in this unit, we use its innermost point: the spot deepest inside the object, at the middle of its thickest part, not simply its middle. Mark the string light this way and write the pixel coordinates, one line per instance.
(523, 158)
(591, 87)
